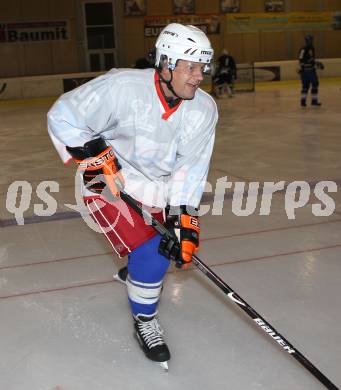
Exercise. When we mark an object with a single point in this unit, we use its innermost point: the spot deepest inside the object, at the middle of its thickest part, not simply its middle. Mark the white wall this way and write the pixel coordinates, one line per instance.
(46, 86)
(37, 86)
(288, 69)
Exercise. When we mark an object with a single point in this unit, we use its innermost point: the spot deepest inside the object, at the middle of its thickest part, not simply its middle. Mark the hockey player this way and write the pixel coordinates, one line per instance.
(224, 76)
(307, 71)
(150, 131)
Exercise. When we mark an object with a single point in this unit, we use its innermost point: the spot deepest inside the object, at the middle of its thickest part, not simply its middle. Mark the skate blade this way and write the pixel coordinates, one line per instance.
(164, 366)
(116, 277)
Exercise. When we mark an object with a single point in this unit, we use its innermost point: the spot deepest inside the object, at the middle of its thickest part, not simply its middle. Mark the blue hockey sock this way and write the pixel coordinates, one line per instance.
(146, 270)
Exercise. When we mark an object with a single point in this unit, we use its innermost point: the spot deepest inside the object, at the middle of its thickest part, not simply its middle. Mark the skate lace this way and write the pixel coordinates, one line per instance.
(151, 333)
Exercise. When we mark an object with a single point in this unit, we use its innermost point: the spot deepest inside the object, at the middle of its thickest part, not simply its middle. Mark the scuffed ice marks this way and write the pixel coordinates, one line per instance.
(86, 329)
(52, 318)
(4, 252)
(74, 320)
(3, 282)
(99, 333)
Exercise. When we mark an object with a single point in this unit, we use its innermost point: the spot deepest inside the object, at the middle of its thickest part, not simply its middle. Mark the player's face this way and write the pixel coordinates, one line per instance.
(186, 78)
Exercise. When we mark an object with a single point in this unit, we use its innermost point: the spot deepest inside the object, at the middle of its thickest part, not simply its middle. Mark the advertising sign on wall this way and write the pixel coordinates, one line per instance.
(290, 21)
(73, 82)
(153, 25)
(229, 6)
(183, 7)
(22, 32)
(268, 73)
(274, 5)
(134, 7)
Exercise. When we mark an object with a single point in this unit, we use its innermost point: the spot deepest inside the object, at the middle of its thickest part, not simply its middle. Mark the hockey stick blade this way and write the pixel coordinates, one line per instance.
(235, 298)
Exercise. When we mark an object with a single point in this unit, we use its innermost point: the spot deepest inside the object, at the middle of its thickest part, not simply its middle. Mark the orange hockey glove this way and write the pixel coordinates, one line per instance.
(99, 165)
(186, 231)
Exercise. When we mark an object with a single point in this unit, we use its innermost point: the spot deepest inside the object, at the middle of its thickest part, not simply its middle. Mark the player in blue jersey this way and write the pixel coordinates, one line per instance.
(308, 66)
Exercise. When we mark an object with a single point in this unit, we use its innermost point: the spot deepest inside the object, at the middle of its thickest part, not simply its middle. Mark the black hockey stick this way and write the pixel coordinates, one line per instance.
(258, 319)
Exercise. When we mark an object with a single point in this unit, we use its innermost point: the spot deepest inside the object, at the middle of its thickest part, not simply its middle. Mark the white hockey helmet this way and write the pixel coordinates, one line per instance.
(180, 42)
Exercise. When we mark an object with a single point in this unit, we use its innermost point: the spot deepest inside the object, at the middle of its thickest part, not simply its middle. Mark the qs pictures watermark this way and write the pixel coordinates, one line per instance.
(244, 199)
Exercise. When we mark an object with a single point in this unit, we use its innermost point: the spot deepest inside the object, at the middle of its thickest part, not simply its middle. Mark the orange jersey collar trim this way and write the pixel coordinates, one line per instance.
(168, 111)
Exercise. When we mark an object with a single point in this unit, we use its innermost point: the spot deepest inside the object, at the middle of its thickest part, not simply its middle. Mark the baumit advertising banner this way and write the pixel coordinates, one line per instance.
(30, 31)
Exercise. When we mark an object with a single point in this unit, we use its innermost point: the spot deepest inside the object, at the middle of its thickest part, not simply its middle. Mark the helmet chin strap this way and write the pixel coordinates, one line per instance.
(169, 83)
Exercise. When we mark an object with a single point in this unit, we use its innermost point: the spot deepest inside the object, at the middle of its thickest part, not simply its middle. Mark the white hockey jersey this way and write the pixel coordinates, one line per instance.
(164, 152)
